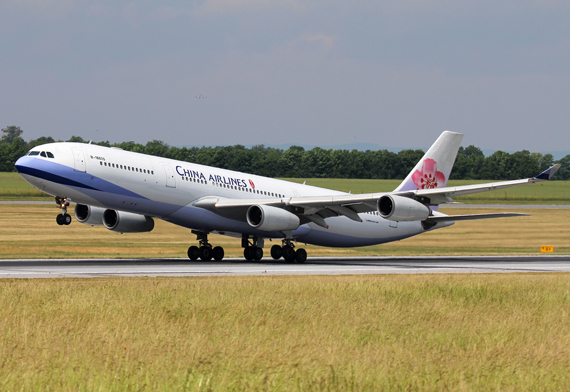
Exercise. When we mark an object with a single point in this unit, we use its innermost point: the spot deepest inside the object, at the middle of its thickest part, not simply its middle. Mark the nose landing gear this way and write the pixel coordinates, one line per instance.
(64, 218)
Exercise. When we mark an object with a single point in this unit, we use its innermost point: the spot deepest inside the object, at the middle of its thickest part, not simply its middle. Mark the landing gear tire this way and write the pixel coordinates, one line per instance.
(248, 253)
(301, 255)
(60, 220)
(289, 253)
(257, 253)
(205, 253)
(67, 219)
(193, 253)
(218, 253)
(276, 252)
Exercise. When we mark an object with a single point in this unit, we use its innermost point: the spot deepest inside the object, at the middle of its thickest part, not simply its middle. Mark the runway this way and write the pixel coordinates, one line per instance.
(53, 268)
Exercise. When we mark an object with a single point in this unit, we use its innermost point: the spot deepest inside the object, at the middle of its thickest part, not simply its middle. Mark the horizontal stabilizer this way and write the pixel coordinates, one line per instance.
(453, 218)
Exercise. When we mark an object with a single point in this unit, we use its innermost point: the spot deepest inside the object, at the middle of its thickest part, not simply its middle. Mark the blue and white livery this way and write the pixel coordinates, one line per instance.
(125, 191)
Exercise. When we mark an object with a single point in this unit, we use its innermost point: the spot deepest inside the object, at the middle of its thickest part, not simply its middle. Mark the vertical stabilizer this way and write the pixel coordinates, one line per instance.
(433, 170)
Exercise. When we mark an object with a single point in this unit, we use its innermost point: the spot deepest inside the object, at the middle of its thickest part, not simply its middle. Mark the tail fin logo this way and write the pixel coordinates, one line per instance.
(429, 177)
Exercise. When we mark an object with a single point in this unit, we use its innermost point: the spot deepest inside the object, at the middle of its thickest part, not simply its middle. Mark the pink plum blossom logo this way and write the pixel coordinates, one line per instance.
(252, 184)
(429, 177)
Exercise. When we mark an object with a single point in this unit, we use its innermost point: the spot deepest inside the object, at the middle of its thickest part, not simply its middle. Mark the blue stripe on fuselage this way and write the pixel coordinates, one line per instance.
(65, 175)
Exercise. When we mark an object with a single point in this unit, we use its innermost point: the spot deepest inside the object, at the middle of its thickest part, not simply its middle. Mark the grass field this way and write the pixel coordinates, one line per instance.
(30, 231)
(283, 333)
(415, 332)
(13, 187)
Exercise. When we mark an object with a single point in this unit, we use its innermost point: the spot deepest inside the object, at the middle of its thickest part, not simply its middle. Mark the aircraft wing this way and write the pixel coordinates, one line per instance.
(317, 208)
(444, 195)
(453, 218)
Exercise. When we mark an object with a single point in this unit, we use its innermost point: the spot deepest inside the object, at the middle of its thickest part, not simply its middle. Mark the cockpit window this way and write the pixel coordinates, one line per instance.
(32, 153)
(49, 154)
(43, 154)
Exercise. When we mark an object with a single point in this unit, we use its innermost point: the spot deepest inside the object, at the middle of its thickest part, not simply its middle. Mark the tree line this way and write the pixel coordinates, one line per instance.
(296, 162)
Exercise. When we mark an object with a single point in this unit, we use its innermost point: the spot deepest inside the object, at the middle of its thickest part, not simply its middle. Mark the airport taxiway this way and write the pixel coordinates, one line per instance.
(50, 268)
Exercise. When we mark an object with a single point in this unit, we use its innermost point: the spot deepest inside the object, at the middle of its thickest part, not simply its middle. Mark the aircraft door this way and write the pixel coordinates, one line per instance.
(170, 179)
(79, 160)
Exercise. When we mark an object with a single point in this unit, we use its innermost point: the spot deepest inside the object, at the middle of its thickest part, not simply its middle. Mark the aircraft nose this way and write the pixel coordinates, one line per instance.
(20, 164)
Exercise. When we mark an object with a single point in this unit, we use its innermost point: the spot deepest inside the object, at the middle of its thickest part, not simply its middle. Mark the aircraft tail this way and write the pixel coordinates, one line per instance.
(433, 170)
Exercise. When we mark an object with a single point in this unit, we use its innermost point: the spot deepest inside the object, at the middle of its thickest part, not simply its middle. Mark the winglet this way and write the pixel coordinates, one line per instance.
(548, 173)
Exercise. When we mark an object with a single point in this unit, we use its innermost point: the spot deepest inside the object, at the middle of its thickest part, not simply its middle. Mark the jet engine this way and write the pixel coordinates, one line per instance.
(402, 209)
(268, 218)
(127, 222)
(89, 215)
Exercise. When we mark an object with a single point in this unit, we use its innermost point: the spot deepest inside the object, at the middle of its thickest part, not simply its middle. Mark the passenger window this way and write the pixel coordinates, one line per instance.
(49, 154)
(43, 154)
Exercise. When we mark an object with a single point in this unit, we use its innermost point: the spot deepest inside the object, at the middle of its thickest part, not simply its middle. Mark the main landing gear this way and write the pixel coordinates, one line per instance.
(252, 250)
(64, 218)
(205, 252)
(288, 252)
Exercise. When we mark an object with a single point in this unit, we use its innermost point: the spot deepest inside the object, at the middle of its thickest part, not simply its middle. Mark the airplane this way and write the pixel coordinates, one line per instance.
(125, 191)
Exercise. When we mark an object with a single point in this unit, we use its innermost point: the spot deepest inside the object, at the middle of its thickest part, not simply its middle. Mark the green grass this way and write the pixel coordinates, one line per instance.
(13, 187)
(330, 333)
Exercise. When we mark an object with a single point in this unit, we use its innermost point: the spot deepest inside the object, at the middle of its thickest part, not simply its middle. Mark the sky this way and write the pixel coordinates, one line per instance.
(322, 72)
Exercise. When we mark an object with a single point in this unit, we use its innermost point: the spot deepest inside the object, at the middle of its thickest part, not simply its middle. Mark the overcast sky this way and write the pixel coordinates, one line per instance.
(323, 72)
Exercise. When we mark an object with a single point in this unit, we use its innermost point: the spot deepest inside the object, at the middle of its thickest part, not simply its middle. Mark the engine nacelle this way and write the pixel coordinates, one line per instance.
(402, 209)
(127, 222)
(268, 218)
(89, 215)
